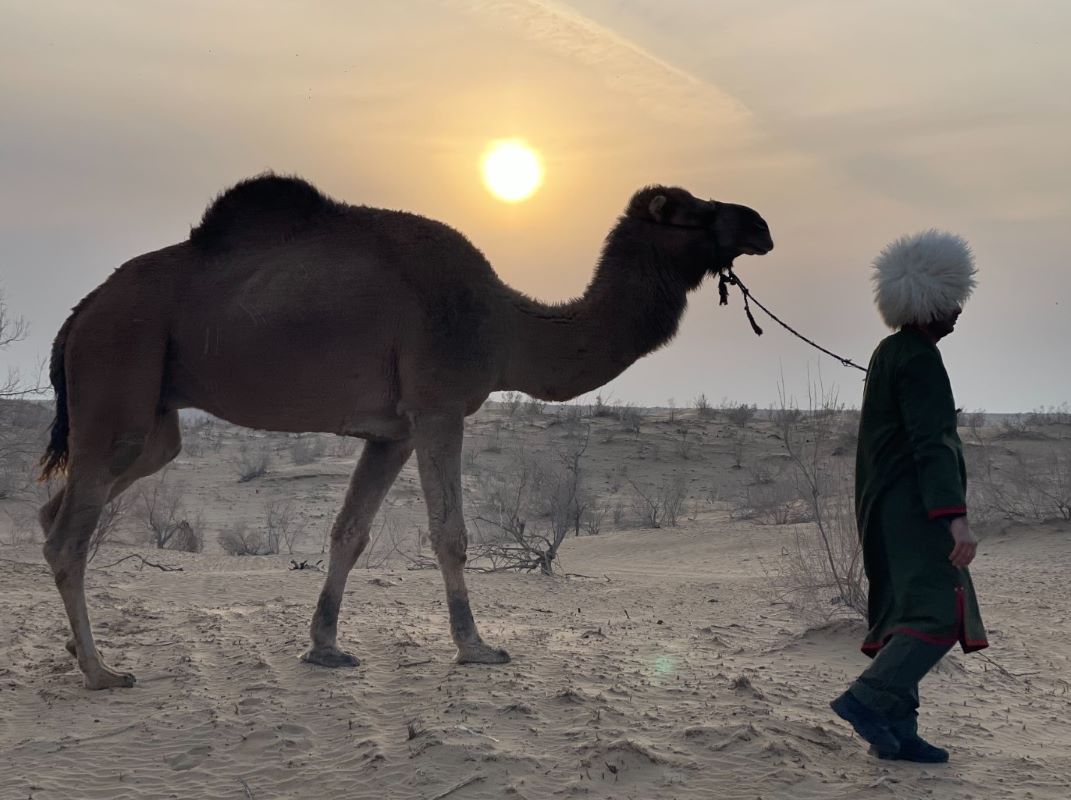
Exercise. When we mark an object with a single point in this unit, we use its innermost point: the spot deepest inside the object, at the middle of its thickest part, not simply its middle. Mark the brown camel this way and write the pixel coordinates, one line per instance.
(288, 311)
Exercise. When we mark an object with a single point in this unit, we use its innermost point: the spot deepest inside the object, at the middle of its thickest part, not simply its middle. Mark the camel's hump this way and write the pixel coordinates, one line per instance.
(267, 202)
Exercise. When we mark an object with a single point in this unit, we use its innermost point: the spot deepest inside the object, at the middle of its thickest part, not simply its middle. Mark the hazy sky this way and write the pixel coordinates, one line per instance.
(845, 123)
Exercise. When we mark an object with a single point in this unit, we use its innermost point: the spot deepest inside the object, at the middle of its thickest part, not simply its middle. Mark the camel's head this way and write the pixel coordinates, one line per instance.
(727, 229)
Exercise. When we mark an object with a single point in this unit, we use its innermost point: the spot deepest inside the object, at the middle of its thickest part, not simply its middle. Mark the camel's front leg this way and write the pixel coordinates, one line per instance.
(376, 471)
(438, 442)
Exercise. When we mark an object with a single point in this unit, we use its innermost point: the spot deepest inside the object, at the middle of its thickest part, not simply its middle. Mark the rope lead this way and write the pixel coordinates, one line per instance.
(727, 278)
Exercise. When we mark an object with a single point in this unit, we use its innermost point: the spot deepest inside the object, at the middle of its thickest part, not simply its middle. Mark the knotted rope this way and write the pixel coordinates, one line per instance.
(727, 278)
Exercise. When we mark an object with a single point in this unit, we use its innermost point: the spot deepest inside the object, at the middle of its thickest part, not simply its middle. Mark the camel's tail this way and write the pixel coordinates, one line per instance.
(54, 461)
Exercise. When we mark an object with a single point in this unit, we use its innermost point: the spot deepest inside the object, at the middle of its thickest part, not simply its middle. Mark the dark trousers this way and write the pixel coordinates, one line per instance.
(890, 685)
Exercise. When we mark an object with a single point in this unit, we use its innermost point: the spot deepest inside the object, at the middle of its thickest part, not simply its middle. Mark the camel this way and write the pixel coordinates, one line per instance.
(286, 310)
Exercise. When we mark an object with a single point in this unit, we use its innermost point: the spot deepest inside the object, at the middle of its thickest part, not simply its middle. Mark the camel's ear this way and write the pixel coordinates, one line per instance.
(658, 202)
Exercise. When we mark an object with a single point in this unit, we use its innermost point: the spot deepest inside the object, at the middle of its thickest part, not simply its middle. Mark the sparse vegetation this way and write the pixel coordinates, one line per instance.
(252, 462)
(240, 540)
(660, 505)
(282, 525)
(524, 513)
(739, 414)
(702, 407)
(160, 507)
(823, 569)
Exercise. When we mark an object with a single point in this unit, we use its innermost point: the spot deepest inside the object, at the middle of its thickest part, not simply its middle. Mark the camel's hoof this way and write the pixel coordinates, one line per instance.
(481, 654)
(330, 657)
(107, 678)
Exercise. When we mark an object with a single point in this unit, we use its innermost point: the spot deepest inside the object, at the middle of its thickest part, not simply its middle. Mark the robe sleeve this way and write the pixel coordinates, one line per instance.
(924, 395)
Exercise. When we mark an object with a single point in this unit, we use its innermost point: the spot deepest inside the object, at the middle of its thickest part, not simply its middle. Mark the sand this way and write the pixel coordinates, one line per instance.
(664, 666)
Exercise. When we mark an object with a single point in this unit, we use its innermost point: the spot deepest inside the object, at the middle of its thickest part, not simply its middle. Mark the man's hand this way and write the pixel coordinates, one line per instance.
(965, 543)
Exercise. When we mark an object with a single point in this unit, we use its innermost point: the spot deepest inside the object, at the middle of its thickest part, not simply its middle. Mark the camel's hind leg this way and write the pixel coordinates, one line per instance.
(438, 444)
(376, 471)
(96, 474)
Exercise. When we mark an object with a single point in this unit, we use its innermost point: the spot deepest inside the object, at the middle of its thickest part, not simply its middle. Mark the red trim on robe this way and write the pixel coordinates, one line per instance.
(950, 511)
(968, 645)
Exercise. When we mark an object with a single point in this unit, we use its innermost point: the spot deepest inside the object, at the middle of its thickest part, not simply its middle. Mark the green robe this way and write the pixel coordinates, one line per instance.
(910, 482)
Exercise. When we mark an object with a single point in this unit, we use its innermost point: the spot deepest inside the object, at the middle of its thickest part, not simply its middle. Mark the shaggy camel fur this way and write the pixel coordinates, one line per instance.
(288, 311)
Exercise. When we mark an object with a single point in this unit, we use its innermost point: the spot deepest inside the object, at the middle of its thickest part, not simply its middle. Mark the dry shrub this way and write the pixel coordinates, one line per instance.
(160, 507)
(252, 462)
(1050, 415)
(685, 443)
(739, 439)
(593, 517)
(822, 570)
(600, 408)
(1028, 489)
(630, 416)
(386, 541)
(777, 503)
(524, 511)
(660, 505)
(820, 573)
(239, 540)
(282, 525)
(702, 407)
(739, 414)
(23, 427)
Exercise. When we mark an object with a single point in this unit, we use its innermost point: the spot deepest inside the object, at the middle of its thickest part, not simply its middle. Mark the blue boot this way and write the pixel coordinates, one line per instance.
(912, 746)
(870, 725)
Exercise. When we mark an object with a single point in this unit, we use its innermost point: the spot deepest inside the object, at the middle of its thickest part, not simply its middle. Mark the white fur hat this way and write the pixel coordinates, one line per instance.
(917, 278)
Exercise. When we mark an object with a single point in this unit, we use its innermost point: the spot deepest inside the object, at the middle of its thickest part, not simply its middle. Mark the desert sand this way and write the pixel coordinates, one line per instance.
(657, 663)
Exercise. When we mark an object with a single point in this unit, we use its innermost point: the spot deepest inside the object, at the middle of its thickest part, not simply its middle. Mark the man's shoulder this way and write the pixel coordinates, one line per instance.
(906, 344)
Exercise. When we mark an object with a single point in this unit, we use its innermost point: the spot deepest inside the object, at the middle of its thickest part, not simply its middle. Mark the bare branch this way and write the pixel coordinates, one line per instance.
(144, 563)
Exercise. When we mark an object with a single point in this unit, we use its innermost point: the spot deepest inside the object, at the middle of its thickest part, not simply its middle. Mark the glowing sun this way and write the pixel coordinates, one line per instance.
(511, 170)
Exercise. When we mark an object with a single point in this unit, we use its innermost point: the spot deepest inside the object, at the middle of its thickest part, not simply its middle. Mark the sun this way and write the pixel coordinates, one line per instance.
(511, 170)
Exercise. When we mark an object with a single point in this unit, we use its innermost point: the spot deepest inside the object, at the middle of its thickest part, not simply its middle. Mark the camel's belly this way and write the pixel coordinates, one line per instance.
(290, 386)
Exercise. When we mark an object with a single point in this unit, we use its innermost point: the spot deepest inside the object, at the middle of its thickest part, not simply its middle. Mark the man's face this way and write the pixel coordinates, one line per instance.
(945, 323)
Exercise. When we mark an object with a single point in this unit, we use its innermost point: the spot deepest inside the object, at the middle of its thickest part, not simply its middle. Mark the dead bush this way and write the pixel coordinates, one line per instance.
(1029, 489)
(630, 416)
(826, 559)
(593, 517)
(159, 506)
(386, 541)
(685, 443)
(739, 414)
(1050, 415)
(601, 408)
(240, 540)
(661, 504)
(524, 512)
(773, 504)
(252, 462)
(282, 525)
(821, 573)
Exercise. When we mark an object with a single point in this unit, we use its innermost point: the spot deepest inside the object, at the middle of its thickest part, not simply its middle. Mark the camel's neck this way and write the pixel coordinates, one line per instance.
(630, 309)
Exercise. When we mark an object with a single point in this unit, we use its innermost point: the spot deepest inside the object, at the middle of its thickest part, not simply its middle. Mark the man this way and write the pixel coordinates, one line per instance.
(911, 497)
